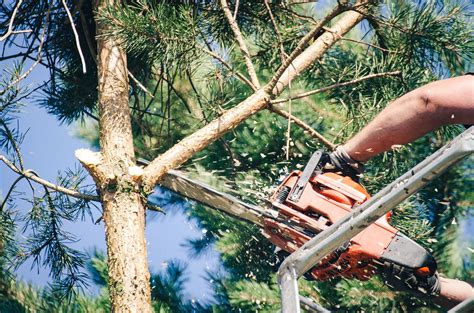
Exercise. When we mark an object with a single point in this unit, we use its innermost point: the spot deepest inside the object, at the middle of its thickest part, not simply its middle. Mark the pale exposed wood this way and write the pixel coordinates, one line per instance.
(186, 148)
(241, 42)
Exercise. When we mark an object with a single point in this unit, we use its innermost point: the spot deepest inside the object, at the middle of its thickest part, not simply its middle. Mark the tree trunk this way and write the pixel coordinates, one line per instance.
(124, 209)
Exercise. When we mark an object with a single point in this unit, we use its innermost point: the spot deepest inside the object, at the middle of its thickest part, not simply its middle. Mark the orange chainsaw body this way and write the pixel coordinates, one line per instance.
(325, 199)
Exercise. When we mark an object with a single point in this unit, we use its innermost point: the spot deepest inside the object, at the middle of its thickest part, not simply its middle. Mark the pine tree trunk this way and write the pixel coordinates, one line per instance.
(124, 209)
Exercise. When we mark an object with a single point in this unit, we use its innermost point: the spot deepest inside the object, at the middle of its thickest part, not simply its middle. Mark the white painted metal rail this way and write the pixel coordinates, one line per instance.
(362, 216)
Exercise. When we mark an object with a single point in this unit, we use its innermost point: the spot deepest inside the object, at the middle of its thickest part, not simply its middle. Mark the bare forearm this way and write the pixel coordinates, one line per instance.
(420, 111)
(453, 292)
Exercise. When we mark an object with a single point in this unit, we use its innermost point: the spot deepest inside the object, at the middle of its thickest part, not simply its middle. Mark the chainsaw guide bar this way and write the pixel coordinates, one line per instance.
(178, 182)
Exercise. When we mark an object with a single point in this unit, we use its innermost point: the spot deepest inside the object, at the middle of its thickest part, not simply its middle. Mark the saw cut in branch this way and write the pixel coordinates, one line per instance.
(241, 42)
(186, 148)
(313, 133)
(334, 86)
(94, 164)
(31, 175)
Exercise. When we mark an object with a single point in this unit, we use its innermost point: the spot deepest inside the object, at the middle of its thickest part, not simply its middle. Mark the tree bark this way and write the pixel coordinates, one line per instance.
(186, 148)
(123, 205)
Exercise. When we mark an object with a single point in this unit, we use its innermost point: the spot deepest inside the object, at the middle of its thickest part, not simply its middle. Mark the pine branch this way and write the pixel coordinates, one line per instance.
(85, 29)
(277, 33)
(368, 44)
(38, 57)
(338, 85)
(10, 30)
(31, 175)
(227, 65)
(140, 85)
(242, 44)
(186, 148)
(11, 137)
(76, 36)
(313, 133)
(299, 49)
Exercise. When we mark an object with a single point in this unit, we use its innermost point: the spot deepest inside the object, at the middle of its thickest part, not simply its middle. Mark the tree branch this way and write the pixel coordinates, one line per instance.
(38, 58)
(242, 44)
(277, 33)
(313, 133)
(227, 65)
(140, 85)
(291, 73)
(187, 147)
(334, 86)
(10, 30)
(11, 137)
(85, 29)
(369, 45)
(30, 175)
(76, 36)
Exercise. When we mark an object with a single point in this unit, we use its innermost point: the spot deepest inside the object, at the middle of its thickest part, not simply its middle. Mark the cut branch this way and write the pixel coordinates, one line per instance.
(122, 200)
(312, 132)
(31, 175)
(242, 44)
(334, 86)
(186, 148)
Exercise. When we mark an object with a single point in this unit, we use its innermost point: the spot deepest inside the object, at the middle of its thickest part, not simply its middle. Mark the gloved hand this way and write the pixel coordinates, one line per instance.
(340, 162)
(405, 279)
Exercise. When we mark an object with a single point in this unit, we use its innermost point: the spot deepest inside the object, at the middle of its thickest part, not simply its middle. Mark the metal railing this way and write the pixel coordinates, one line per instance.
(362, 216)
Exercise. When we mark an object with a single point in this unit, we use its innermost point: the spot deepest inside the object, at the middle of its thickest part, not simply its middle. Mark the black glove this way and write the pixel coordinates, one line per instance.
(404, 279)
(340, 162)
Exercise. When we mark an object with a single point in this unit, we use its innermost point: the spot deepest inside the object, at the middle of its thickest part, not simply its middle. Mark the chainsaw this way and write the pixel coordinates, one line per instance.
(310, 201)
(306, 203)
